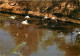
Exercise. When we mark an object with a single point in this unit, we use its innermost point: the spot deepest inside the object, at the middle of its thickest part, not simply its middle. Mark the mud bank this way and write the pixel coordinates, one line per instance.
(39, 9)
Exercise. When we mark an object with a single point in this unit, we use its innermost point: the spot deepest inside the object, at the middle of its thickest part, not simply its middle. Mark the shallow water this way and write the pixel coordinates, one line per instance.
(40, 39)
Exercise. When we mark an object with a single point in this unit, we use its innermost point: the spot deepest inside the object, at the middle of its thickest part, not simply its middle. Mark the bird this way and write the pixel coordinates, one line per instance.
(78, 35)
(13, 17)
(46, 17)
(53, 18)
(25, 22)
(27, 16)
(77, 32)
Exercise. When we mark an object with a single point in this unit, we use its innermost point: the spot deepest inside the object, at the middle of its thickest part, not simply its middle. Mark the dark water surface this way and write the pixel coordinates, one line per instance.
(37, 39)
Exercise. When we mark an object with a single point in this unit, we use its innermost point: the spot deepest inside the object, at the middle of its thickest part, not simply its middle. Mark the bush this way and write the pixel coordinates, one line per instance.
(75, 14)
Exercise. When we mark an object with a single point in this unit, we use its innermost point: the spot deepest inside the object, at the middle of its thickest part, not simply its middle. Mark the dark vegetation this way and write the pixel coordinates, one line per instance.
(75, 14)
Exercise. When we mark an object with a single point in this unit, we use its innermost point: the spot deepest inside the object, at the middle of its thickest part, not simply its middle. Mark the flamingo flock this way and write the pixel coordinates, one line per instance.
(25, 22)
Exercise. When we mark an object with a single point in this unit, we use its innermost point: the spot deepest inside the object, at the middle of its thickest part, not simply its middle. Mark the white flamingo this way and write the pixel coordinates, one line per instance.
(25, 22)
(13, 17)
(78, 32)
(27, 16)
(53, 18)
(46, 17)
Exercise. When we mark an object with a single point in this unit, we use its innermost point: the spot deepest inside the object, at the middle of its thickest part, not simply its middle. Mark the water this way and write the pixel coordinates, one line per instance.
(37, 39)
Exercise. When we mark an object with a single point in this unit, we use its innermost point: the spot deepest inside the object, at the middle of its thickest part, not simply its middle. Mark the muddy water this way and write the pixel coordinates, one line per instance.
(37, 39)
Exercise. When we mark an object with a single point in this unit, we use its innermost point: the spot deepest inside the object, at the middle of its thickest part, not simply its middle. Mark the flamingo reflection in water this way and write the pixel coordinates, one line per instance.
(78, 36)
(75, 37)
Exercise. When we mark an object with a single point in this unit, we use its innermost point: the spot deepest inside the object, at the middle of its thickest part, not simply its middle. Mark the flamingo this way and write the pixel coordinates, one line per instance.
(46, 17)
(77, 32)
(25, 22)
(13, 17)
(27, 16)
(53, 18)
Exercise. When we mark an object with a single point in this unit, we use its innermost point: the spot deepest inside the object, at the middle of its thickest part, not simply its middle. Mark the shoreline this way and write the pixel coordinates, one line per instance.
(37, 14)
